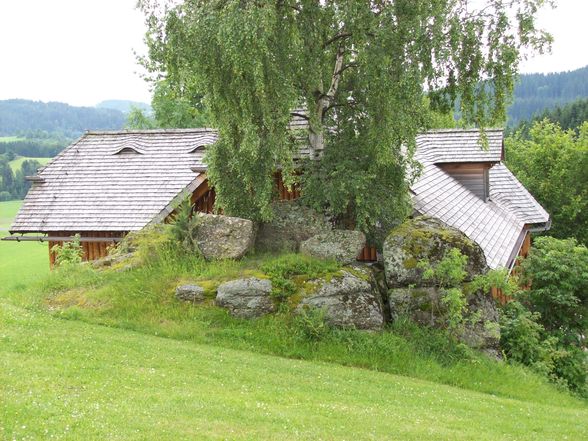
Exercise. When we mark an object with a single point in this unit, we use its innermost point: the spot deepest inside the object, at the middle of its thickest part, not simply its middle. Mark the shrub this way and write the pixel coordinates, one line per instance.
(448, 275)
(310, 324)
(556, 272)
(69, 253)
(185, 227)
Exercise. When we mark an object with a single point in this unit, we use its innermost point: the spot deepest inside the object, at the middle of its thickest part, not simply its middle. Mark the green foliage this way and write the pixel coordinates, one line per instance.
(448, 274)
(283, 271)
(552, 165)
(310, 324)
(137, 119)
(69, 253)
(358, 68)
(185, 227)
(557, 273)
(173, 109)
(546, 328)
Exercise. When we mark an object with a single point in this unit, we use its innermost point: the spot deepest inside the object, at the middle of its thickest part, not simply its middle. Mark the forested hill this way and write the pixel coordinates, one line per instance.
(537, 92)
(125, 106)
(18, 117)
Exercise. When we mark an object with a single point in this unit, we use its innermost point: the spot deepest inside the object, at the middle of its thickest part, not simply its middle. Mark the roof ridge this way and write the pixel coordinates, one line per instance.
(149, 131)
(457, 130)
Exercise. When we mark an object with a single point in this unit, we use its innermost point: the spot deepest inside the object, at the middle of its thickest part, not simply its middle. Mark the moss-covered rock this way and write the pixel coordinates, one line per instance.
(224, 237)
(292, 224)
(348, 299)
(246, 298)
(341, 245)
(426, 238)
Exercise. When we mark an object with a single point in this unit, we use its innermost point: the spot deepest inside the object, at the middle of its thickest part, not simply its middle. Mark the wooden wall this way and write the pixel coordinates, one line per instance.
(498, 294)
(472, 176)
(92, 250)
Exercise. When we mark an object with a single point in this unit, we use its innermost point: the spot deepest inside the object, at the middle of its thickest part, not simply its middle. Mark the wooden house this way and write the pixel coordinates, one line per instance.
(107, 184)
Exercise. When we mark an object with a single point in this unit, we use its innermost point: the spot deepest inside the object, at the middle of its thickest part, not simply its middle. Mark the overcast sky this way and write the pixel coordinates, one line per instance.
(81, 51)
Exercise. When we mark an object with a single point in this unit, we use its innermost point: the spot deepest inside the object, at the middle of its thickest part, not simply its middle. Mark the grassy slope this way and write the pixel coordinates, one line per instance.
(20, 263)
(69, 380)
(15, 164)
(10, 139)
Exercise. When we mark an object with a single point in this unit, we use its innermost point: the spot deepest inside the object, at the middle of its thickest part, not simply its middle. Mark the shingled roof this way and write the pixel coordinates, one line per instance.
(114, 181)
(497, 225)
(122, 181)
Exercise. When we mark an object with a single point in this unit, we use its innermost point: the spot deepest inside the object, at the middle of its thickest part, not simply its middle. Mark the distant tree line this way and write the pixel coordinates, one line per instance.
(14, 185)
(55, 119)
(536, 92)
(569, 116)
(34, 148)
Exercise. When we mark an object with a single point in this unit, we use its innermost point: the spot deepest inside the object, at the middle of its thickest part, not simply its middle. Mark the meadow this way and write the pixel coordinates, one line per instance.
(16, 163)
(20, 262)
(106, 354)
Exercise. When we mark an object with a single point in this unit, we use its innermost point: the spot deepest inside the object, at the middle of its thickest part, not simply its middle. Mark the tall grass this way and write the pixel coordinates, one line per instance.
(142, 300)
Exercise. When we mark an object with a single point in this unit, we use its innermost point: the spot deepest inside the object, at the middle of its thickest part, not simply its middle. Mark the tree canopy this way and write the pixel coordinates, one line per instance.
(364, 73)
(552, 165)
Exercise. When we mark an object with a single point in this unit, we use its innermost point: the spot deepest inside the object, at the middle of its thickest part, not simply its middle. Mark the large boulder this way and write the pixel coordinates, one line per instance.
(341, 245)
(349, 301)
(224, 237)
(246, 298)
(190, 293)
(426, 238)
(424, 306)
(292, 224)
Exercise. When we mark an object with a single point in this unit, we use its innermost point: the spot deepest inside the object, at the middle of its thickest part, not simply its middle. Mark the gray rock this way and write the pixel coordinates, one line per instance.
(291, 225)
(349, 301)
(482, 330)
(246, 298)
(190, 293)
(224, 237)
(341, 245)
(424, 306)
(429, 239)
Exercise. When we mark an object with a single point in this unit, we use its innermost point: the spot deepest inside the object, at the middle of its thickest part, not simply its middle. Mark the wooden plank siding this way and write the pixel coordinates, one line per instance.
(498, 294)
(474, 177)
(91, 250)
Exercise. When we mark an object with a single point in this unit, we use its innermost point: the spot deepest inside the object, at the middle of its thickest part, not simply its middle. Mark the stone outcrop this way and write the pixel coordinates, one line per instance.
(424, 306)
(426, 238)
(246, 298)
(349, 301)
(291, 225)
(190, 293)
(224, 237)
(341, 245)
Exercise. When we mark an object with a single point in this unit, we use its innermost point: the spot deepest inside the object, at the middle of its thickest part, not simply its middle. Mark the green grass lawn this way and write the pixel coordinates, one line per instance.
(20, 262)
(10, 139)
(16, 163)
(63, 379)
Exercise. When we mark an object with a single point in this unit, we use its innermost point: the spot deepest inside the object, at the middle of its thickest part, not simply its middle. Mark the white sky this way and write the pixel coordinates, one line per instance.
(81, 51)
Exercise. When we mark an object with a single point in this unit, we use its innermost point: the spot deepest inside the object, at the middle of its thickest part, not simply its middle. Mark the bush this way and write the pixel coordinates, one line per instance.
(556, 272)
(185, 227)
(310, 324)
(69, 253)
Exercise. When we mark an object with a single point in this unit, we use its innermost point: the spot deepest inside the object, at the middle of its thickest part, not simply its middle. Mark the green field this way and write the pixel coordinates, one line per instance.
(63, 379)
(10, 139)
(20, 262)
(87, 354)
(15, 164)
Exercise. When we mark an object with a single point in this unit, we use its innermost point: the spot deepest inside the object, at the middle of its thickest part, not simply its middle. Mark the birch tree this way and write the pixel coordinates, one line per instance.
(365, 74)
